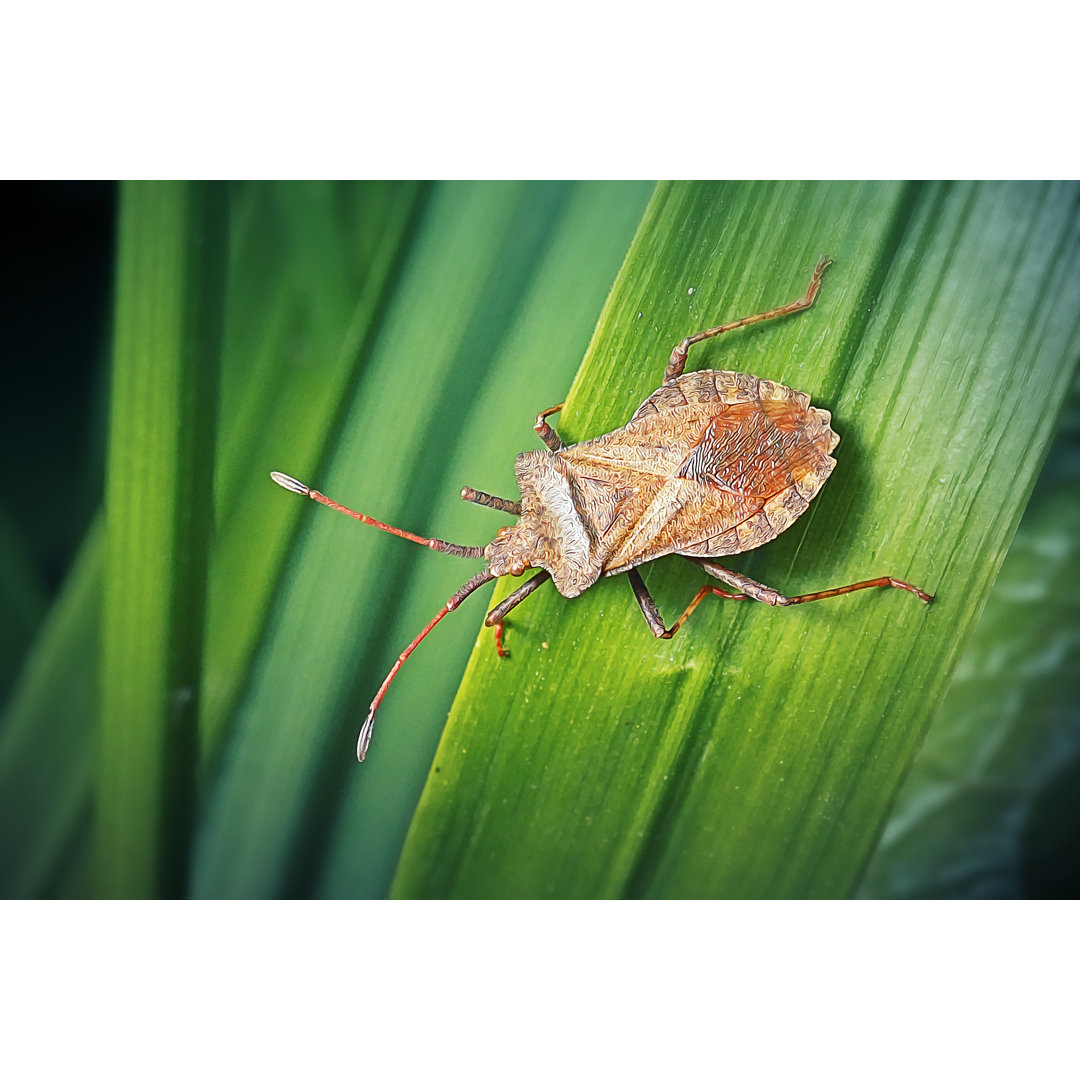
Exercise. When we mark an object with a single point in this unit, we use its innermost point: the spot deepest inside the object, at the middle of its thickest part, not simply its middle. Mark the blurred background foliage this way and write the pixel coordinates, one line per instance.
(387, 343)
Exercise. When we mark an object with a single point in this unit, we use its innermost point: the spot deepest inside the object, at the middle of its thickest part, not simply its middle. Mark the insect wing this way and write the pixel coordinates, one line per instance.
(716, 462)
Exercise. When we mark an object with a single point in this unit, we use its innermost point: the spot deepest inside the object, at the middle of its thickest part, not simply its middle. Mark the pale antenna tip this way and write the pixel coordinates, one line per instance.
(364, 741)
(289, 483)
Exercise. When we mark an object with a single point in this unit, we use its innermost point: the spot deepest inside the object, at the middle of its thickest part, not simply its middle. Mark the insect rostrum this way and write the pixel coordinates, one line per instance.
(711, 464)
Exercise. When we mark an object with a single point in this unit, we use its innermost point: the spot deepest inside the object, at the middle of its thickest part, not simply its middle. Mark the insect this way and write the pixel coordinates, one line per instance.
(711, 464)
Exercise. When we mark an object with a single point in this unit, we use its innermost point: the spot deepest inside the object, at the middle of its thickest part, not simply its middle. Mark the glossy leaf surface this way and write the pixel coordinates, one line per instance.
(758, 752)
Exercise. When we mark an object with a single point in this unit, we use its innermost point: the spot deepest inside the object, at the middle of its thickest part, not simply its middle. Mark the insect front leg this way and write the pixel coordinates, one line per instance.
(677, 362)
(496, 615)
(652, 612)
(546, 431)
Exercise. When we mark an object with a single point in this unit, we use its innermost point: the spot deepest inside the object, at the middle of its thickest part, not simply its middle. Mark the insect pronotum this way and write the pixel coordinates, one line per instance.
(711, 464)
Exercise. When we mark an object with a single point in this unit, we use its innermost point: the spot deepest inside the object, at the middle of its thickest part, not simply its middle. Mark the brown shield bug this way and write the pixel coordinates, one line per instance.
(711, 464)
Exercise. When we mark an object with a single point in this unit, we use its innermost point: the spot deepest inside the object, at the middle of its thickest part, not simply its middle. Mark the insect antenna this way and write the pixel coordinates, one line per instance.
(291, 484)
(470, 586)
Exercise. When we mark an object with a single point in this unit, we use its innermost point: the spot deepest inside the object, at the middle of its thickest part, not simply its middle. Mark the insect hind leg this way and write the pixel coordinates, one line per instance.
(766, 595)
(749, 589)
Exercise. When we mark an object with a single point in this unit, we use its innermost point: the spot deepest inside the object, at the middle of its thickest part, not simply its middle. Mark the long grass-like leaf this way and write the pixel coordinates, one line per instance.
(992, 806)
(22, 600)
(46, 738)
(310, 268)
(758, 752)
(170, 304)
(525, 260)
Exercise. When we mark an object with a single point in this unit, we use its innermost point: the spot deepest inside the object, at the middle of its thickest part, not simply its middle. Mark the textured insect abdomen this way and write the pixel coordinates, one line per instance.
(720, 462)
(769, 447)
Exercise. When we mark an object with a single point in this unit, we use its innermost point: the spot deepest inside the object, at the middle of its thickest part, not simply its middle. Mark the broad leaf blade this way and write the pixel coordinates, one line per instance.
(757, 753)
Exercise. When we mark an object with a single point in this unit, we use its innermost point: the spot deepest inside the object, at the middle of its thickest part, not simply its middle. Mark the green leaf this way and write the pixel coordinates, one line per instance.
(22, 599)
(46, 738)
(169, 311)
(991, 806)
(310, 267)
(497, 297)
(758, 752)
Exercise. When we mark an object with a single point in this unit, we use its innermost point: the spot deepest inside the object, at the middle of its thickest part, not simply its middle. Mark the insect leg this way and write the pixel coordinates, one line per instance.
(678, 355)
(494, 501)
(500, 610)
(496, 615)
(754, 589)
(545, 430)
(749, 589)
(652, 612)
(766, 595)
